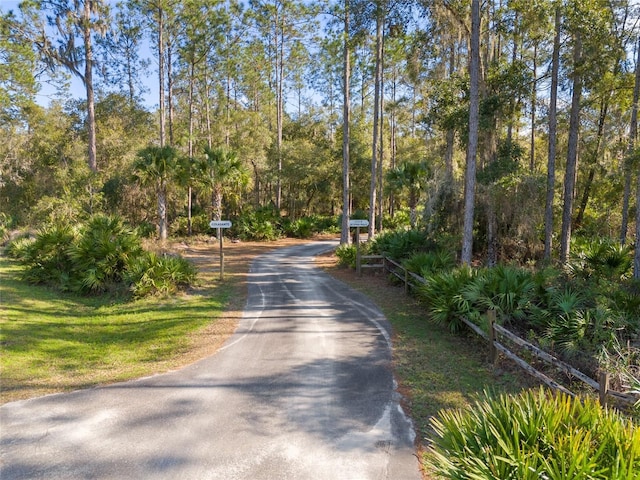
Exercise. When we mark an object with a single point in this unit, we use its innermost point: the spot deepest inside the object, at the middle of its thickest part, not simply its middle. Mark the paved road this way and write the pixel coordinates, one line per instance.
(303, 390)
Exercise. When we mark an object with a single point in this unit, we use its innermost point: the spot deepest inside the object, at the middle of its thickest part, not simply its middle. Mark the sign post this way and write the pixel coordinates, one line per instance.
(220, 224)
(357, 224)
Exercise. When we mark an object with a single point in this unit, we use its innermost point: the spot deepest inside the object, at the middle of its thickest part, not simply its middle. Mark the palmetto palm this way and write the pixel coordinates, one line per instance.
(221, 172)
(154, 167)
(409, 177)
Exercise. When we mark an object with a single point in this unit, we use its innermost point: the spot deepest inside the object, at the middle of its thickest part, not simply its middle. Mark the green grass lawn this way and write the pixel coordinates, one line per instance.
(53, 342)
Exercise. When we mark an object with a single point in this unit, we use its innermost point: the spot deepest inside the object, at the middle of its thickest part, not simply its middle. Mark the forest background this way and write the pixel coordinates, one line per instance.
(252, 116)
(501, 132)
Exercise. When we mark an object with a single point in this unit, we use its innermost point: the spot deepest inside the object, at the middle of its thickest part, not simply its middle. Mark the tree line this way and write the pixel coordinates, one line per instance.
(507, 126)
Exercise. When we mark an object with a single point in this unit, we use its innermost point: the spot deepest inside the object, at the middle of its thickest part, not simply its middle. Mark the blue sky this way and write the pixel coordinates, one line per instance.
(50, 91)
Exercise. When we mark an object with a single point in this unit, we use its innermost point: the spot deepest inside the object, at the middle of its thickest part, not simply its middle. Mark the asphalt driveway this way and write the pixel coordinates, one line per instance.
(302, 390)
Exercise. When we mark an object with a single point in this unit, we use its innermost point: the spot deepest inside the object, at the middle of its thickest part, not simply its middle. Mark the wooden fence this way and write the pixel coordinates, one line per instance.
(497, 332)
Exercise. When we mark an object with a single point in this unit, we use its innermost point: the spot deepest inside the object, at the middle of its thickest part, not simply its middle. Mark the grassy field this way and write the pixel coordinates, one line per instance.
(56, 342)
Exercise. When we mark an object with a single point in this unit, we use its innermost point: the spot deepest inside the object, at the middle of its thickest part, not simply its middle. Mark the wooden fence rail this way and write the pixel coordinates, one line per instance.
(412, 281)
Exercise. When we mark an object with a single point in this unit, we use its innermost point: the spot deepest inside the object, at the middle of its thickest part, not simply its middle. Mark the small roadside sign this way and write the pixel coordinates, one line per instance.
(358, 223)
(220, 224)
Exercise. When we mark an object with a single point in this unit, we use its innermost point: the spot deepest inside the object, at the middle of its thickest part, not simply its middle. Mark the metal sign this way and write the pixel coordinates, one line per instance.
(358, 223)
(220, 224)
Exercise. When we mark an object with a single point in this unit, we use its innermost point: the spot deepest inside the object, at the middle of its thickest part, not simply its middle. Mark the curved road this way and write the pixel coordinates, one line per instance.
(302, 390)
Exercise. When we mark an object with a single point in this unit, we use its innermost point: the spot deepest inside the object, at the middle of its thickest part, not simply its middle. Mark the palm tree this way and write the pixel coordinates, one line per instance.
(221, 172)
(154, 167)
(410, 177)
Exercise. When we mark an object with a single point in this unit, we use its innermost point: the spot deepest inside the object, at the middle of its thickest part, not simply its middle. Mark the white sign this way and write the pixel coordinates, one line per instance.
(220, 224)
(358, 223)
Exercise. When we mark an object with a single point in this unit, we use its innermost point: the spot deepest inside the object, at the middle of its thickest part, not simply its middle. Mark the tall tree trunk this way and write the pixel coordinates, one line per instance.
(88, 83)
(572, 152)
(161, 74)
(628, 170)
(192, 80)
(162, 210)
(636, 257)
(279, 52)
(170, 81)
(450, 134)
(392, 143)
(553, 125)
(207, 108)
(373, 190)
(534, 95)
(472, 148)
(344, 236)
(381, 149)
(604, 107)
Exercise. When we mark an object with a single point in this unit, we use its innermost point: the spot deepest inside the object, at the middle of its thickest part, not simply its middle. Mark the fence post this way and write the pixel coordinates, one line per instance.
(493, 352)
(603, 381)
(406, 281)
(358, 259)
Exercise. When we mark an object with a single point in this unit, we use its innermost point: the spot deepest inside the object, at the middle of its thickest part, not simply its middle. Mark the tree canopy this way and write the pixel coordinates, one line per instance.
(320, 102)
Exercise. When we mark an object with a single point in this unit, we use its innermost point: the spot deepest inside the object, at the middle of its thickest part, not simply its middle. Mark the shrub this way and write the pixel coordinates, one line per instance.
(306, 227)
(400, 244)
(327, 224)
(426, 263)
(146, 230)
(581, 333)
(199, 225)
(510, 291)
(6, 223)
(150, 274)
(259, 224)
(301, 228)
(601, 258)
(46, 259)
(101, 254)
(535, 435)
(401, 219)
(442, 294)
(18, 248)
(346, 255)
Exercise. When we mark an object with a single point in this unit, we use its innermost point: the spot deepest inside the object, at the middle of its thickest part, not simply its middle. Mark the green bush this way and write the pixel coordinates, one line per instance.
(401, 244)
(306, 227)
(401, 220)
(346, 255)
(47, 260)
(535, 435)
(105, 256)
(199, 225)
(146, 230)
(443, 295)
(301, 228)
(19, 247)
(600, 258)
(510, 291)
(150, 274)
(426, 263)
(327, 224)
(260, 224)
(101, 254)
(6, 223)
